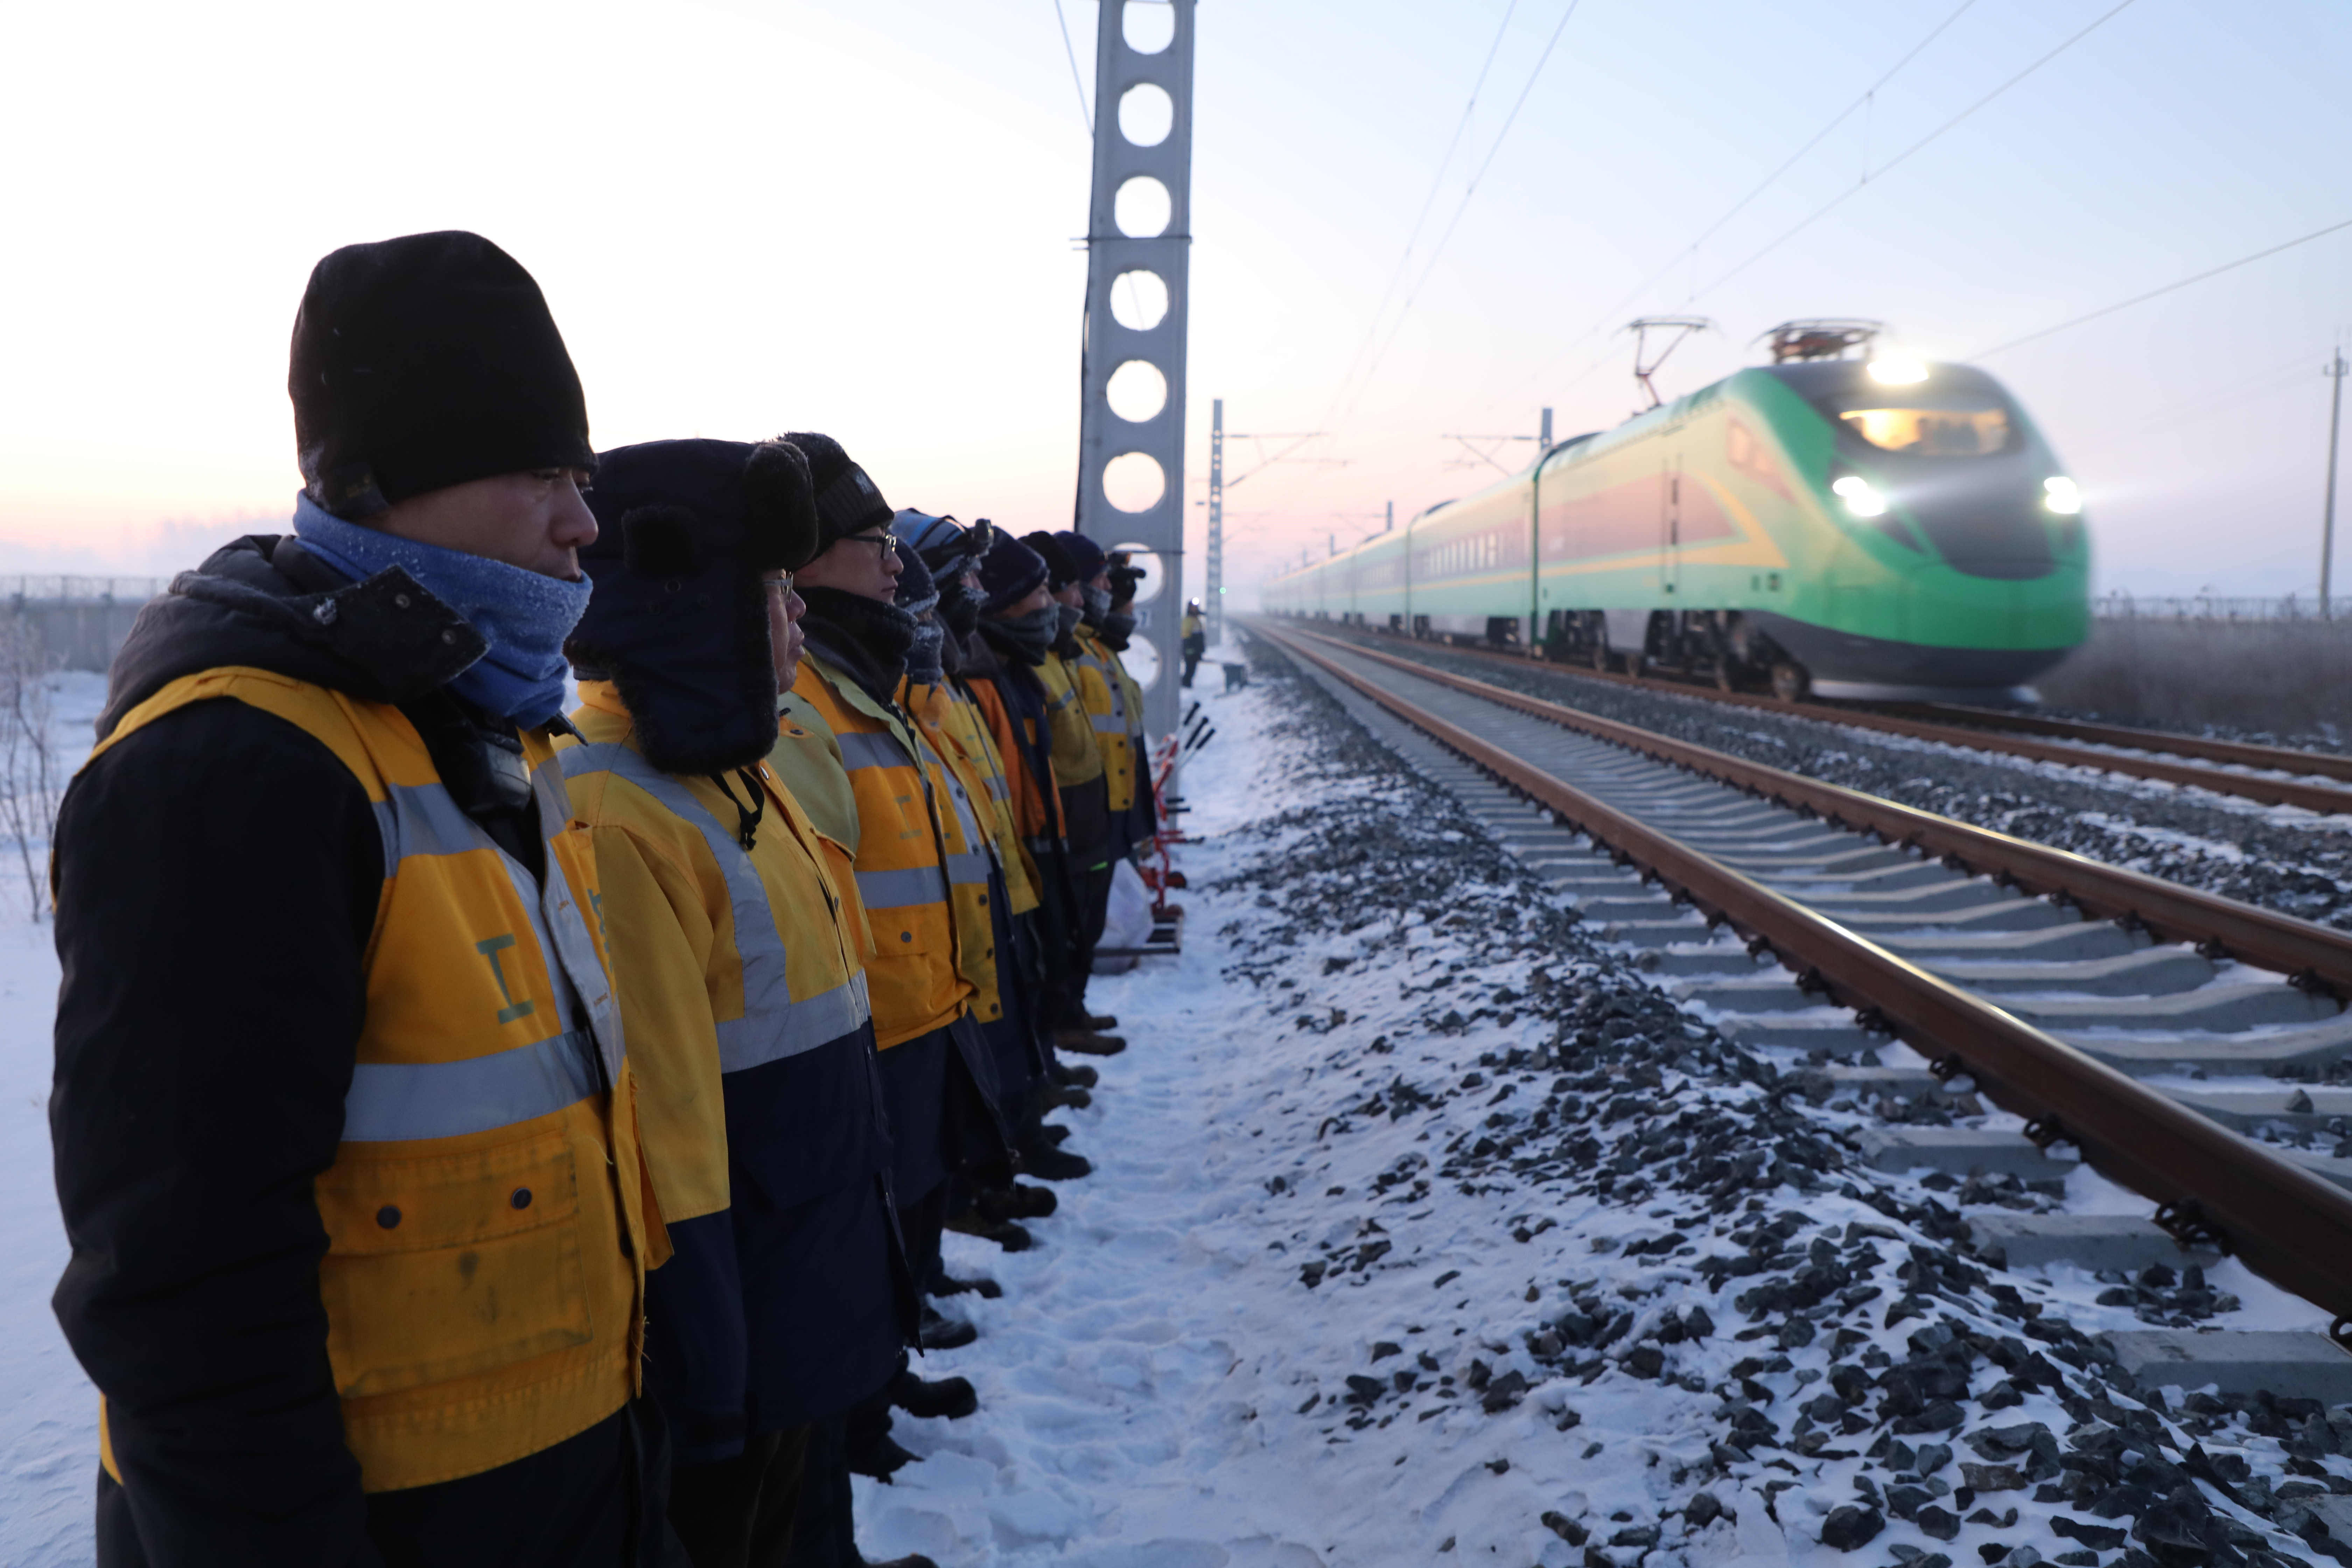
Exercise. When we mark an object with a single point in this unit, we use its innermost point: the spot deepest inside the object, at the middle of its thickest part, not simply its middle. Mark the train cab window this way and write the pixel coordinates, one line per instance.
(1960, 432)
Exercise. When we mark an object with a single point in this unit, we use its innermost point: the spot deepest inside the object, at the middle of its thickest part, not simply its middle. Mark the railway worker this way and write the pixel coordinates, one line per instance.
(948, 710)
(1114, 702)
(856, 760)
(1092, 826)
(344, 1130)
(1116, 630)
(1015, 628)
(1196, 638)
(1085, 796)
(736, 936)
(979, 896)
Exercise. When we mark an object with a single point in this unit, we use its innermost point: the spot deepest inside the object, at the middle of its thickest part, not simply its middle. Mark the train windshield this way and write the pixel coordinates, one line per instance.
(1965, 427)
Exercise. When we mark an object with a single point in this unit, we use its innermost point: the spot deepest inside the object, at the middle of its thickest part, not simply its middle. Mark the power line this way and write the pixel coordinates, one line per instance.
(1826, 207)
(1740, 205)
(1436, 183)
(2154, 293)
(1438, 250)
(1086, 111)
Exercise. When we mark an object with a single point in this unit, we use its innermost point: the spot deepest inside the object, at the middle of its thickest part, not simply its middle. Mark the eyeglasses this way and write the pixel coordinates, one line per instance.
(782, 584)
(886, 548)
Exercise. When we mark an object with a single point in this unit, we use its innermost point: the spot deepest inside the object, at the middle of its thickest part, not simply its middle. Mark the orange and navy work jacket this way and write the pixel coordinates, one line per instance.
(486, 1215)
(910, 847)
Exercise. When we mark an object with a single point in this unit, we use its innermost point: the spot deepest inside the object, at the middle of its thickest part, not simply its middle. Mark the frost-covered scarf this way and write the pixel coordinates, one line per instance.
(523, 616)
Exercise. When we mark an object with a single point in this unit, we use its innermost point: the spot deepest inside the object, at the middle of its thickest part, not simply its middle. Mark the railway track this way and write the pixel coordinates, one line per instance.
(1894, 958)
(2271, 775)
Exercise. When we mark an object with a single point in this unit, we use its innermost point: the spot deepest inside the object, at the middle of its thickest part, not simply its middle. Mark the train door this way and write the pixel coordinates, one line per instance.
(1670, 525)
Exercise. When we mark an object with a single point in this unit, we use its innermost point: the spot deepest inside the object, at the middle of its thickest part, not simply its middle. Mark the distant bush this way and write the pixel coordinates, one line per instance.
(2289, 679)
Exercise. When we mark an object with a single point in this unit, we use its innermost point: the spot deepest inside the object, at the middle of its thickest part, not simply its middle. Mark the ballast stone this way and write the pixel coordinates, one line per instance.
(2241, 1361)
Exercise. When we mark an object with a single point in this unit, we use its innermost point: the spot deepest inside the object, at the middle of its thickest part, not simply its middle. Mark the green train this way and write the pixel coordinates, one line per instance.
(1875, 530)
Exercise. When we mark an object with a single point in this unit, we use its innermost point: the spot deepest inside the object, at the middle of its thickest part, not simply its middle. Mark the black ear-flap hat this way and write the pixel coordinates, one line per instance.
(424, 362)
(679, 621)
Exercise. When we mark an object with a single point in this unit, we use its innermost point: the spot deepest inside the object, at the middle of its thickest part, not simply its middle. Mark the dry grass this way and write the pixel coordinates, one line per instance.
(2286, 679)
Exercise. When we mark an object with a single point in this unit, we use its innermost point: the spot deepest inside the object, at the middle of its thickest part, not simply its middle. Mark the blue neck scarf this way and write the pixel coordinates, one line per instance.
(523, 616)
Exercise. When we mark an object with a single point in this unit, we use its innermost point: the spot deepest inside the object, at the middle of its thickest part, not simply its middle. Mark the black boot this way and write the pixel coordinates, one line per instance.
(881, 1458)
(1048, 1162)
(1088, 1043)
(1015, 1202)
(1004, 1232)
(944, 1333)
(952, 1397)
(943, 1283)
(1077, 1075)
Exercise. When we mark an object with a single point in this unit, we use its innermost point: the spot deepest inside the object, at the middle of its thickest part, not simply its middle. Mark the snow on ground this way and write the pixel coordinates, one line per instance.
(48, 1411)
(1424, 1231)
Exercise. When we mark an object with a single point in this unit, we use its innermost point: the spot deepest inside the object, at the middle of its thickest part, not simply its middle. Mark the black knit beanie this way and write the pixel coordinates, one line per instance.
(426, 361)
(1087, 557)
(679, 620)
(847, 501)
(1009, 573)
(1060, 570)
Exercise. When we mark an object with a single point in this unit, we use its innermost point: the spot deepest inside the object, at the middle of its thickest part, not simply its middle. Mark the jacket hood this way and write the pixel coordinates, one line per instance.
(265, 602)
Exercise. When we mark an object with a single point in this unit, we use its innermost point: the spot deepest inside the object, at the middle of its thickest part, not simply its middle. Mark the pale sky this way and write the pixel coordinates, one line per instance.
(858, 218)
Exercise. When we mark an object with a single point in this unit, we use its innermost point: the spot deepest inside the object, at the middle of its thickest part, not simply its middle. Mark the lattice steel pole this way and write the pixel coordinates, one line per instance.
(1105, 438)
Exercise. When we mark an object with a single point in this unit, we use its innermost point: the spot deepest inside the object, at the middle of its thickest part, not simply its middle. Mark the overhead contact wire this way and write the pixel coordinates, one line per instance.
(1765, 184)
(1436, 183)
(1438, 250)
(1835, 202)
(2167, 289)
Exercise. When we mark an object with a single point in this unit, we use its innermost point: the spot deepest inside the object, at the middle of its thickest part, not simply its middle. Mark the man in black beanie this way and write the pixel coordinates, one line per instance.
(344, 1133)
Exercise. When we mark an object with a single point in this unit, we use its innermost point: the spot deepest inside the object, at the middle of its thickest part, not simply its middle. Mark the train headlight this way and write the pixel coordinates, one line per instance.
(1895, 370)
(2063, 496)
(1859, 497)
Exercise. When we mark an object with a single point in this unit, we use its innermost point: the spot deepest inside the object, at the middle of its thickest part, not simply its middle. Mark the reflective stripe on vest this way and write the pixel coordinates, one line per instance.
(774, 1027)
(394, 1101)
(871, 748)
(968, 867)
(483, 1273)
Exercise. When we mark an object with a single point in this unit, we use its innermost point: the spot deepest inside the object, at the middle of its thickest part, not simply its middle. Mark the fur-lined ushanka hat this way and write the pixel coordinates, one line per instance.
(679, 621)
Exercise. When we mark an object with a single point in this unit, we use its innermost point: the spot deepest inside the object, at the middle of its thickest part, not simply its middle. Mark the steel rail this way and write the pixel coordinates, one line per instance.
(2244, 753)
(2292, 1227)
(2313, 954)
(2324, 799)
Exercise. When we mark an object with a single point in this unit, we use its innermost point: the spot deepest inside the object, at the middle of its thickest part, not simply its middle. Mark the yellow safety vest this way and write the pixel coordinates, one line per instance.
(726, 960)
(1105, 699)
(487, 1233)
(901, 870)
(967, 731)
(971, 852)
(1076, 759)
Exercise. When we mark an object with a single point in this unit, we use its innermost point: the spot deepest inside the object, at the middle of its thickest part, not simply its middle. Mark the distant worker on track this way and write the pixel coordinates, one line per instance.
(1196, 638)
(344, 1131)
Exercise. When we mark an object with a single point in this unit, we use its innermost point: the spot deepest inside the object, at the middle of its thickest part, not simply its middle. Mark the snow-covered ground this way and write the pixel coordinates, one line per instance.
(1425, 1230)
(48, 1411)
